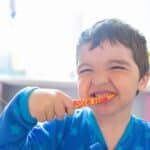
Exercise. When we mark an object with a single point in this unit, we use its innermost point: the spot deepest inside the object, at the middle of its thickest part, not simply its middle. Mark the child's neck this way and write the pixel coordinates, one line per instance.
(113, 127)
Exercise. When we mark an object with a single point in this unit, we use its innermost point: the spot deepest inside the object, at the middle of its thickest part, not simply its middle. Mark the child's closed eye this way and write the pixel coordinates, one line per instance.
(85, 70)
(118, 67)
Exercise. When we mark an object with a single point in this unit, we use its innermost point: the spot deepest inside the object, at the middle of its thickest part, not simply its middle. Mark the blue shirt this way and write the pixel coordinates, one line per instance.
(19, 130)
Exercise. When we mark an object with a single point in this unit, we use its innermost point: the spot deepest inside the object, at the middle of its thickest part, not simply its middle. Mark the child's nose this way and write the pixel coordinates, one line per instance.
(99, 79)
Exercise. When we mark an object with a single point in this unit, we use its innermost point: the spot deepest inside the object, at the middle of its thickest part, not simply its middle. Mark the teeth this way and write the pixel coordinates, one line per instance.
(106, 95)
(110, 96)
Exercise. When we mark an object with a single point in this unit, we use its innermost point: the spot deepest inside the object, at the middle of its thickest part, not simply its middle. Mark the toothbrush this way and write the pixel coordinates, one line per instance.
(92, 100)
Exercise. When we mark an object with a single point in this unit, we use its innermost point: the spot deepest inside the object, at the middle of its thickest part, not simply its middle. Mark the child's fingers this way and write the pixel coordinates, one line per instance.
(69, 107)
(70, 111)
(49, 115)
(41, 117)
(59, 110)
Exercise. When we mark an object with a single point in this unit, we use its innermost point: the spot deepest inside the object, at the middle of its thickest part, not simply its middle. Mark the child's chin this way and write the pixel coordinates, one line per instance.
(101, 108)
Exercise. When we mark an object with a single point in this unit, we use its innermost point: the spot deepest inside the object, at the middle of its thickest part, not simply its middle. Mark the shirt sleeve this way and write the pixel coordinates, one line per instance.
(16, 121)
(19, 130)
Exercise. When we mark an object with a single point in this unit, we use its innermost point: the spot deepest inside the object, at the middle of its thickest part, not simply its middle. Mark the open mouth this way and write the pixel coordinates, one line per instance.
(97, 99)
(102, 93)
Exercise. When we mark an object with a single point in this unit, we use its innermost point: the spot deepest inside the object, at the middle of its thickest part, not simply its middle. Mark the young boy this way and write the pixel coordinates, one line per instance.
(111, 59)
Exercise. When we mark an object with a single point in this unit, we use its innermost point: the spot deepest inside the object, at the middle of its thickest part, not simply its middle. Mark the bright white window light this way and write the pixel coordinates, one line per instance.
(43, 34)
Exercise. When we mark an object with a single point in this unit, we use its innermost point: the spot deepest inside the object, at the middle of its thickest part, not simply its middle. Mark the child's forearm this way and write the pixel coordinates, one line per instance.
(16, 121)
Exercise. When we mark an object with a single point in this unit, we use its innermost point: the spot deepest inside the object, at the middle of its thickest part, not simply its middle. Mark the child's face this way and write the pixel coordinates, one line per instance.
(109, 68)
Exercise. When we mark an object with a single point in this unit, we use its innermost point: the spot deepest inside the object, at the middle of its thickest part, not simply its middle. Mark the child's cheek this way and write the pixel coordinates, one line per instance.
(84, 86)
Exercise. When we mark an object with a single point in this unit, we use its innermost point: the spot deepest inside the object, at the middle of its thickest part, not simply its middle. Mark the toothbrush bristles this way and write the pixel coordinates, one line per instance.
(92, 100)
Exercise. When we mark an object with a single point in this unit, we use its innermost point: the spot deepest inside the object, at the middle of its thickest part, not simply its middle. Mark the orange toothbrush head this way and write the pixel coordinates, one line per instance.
(93, 100)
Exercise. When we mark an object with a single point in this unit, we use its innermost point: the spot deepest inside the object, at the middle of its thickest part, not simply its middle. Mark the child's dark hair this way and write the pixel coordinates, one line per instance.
(115, 30)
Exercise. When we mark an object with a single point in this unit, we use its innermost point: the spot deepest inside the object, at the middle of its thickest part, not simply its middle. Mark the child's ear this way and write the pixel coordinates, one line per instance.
(143, 82)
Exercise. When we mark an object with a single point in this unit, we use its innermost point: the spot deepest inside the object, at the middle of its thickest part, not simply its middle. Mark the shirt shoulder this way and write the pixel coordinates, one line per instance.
(142, 123)
(142, 128)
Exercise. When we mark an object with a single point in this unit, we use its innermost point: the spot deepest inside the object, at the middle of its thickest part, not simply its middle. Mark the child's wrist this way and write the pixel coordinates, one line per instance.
(24, 105)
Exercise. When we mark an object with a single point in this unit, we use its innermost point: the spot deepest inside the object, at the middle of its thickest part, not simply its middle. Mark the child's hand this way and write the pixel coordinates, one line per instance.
(45, 104)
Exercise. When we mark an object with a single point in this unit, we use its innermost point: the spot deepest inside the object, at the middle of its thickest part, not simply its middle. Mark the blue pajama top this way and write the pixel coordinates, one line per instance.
(20, 131)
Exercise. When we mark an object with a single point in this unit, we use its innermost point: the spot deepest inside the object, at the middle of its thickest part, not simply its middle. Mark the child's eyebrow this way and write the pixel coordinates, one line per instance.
(83, 65)
(120, 62)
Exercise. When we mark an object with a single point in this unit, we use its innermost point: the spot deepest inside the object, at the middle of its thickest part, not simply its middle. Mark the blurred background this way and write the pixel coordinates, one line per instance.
(38, 40)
